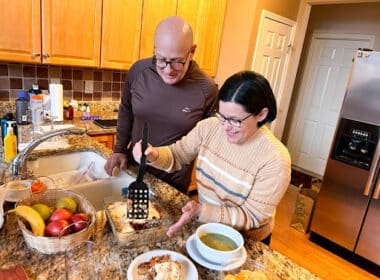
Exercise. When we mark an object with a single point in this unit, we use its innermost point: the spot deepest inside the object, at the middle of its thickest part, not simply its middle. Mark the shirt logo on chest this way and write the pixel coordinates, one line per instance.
(186, 110)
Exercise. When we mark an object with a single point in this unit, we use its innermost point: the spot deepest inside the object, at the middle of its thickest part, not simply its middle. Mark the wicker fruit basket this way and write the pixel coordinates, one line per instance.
(52, 245)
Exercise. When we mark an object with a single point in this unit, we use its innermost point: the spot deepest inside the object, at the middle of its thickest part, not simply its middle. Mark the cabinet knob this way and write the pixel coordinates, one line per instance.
(36, 55)
(46, 55)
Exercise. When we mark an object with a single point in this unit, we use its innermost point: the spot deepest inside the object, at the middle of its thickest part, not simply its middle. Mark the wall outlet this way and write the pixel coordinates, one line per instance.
(88, 86)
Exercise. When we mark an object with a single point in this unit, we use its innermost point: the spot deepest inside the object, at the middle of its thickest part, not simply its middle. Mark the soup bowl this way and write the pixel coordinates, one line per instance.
(219, 243)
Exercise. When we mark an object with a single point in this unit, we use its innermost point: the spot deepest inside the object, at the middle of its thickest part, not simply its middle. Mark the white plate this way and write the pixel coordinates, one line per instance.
(191, 248)
(188, 268)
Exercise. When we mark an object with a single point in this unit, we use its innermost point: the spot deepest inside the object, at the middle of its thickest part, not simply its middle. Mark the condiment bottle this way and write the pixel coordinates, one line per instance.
(69, 113)
(8, 121)
(10, 145)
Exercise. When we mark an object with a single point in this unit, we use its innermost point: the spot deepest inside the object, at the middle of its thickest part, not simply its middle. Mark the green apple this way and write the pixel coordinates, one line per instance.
(66, 202)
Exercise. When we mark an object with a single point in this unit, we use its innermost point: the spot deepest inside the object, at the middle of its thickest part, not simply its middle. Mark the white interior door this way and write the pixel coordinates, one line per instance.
(272, 51)
(321, 96)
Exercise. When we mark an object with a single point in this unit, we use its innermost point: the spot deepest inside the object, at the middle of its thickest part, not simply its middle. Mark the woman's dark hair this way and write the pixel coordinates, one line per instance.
(252, 91)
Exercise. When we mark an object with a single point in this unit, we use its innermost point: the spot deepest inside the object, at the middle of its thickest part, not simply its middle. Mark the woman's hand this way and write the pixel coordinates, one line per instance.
(150, 152)
(191, 210)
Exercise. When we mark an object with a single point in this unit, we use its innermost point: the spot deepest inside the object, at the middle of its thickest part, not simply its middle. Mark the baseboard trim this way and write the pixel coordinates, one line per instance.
(307, 172)
(345, 254)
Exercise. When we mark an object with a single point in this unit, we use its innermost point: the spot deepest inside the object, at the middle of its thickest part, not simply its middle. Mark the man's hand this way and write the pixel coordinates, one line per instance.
(115, 161)
(190, 211)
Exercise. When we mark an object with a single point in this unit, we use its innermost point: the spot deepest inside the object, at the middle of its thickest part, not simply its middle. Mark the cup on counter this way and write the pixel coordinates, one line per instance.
(82, 262)
(17, 190)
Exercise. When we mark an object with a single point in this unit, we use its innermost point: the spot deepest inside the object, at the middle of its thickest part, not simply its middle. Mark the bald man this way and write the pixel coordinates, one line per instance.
(169, 92)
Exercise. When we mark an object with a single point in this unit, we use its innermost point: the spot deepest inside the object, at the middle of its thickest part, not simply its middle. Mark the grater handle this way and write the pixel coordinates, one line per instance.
(144, 145)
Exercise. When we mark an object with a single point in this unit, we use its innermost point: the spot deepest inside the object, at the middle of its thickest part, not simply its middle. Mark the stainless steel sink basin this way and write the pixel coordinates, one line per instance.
(96, 191)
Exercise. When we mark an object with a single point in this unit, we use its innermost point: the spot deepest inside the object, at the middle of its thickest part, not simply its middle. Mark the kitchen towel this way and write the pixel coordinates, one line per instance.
(56, 102)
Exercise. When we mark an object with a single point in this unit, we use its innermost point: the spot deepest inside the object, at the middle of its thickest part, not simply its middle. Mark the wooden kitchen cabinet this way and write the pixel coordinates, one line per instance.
(121, 30)
(20, 38)
(206, 17)
(128, 29)
(107, 139)
(103, 33)
(153, 12)
(71, 32)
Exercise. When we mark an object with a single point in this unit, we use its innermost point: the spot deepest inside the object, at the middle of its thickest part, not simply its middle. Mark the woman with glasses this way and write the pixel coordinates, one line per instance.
(242, 170)
(169, 92)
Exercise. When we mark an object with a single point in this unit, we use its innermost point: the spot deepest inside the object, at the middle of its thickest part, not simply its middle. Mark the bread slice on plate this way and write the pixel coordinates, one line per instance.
(160, 268)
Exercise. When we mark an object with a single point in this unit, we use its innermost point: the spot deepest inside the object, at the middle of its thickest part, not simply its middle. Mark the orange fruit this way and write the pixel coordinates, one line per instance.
(38, 186)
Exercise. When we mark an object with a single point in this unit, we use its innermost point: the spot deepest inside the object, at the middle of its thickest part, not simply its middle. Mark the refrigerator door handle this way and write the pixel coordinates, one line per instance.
(372, 172)
(376, 192)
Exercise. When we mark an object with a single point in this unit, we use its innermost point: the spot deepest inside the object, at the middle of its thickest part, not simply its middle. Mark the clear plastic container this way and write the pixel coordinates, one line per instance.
(134, 233)
(36, 106)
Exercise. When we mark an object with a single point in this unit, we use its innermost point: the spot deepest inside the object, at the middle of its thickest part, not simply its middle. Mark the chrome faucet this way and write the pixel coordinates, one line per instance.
(19, 168)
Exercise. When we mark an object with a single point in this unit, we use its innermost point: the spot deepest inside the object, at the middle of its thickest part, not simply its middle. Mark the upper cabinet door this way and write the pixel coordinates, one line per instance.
(153, 12)
(121, 33)
(71, 32)
(20, 35)
(206, 18)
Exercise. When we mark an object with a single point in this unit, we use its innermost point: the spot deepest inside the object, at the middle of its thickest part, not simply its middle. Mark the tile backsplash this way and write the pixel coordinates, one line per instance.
(102, 85)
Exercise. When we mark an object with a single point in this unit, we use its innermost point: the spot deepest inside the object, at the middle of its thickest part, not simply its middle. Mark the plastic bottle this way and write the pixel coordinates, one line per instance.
(8, 120)
(10, 145)
(36, 106)
(22, 105)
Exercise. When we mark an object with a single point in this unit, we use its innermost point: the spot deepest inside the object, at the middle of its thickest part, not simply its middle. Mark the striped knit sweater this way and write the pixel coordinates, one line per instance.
(239, 185)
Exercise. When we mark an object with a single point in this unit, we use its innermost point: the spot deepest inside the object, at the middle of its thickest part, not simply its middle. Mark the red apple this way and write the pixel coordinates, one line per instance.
(61, 214)
(56, 228)
(79, 221)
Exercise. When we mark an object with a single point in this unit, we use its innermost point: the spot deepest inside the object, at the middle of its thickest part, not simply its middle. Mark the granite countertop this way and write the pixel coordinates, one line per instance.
(91, 128)
(115, 259)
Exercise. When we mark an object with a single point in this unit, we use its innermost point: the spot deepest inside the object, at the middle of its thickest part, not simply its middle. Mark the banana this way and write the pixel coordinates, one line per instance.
(32, 217)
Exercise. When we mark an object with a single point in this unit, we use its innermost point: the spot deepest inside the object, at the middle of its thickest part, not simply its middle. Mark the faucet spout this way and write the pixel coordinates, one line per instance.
(19, 168)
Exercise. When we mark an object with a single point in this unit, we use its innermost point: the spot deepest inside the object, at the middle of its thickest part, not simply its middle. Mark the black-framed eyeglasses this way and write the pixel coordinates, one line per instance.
(175, 64)
(233, 122)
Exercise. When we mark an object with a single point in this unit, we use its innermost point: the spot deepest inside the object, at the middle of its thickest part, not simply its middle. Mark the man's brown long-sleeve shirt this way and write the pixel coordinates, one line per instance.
(171, 111)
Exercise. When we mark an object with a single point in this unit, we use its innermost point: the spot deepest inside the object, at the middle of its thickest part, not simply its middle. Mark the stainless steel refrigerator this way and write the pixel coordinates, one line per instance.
(347, 210)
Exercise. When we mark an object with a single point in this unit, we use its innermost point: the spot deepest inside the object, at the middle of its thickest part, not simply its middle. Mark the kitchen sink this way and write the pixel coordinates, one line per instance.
(68, 169)
(97, 190)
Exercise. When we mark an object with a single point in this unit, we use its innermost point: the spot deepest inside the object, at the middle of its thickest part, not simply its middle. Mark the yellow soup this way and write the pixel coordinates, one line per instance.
(17, 187)
(218, 242)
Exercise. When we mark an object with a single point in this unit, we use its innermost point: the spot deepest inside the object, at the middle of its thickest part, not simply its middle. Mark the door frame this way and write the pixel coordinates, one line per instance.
(295, 55)
(281, 89)
(298, 107)
(276, 17)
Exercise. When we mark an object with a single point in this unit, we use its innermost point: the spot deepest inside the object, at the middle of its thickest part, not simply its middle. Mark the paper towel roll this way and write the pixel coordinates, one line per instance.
(56, 102)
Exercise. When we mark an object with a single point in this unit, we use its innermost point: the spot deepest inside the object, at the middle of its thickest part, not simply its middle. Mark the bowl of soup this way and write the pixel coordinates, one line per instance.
(219, 243)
